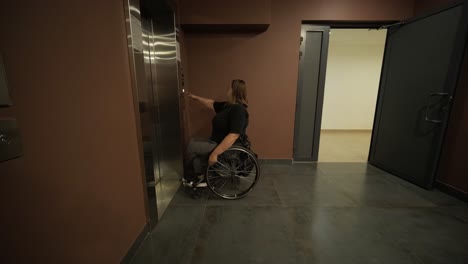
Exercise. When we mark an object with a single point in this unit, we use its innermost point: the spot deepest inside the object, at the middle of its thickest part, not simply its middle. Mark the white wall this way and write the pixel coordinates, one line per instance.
(352, 80)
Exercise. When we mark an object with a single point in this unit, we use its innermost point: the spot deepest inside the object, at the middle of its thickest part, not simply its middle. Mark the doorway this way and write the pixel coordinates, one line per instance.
(417, 80)
(354, 64)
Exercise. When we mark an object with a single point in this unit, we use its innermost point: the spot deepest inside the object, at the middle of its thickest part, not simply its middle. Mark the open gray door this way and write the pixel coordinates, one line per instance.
(310, 89)
(416, 87)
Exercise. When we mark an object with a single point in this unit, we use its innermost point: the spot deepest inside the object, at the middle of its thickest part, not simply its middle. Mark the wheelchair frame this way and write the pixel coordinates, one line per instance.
(236, 169)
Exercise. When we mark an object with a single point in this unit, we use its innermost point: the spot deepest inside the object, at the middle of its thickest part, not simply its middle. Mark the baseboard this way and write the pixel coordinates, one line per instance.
(127, 259)
(275, 161)
(452, 191)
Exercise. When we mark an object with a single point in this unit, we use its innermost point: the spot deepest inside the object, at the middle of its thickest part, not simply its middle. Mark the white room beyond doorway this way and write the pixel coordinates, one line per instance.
(351, 87)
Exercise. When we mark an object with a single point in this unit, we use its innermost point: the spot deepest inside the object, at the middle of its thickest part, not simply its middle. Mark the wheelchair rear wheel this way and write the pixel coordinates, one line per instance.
(235, 175)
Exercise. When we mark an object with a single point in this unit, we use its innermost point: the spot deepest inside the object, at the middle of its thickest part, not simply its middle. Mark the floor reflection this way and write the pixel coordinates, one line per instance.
(165, 191)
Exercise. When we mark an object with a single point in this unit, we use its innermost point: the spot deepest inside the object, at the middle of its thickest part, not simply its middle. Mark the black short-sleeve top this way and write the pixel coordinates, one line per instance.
(229, 118)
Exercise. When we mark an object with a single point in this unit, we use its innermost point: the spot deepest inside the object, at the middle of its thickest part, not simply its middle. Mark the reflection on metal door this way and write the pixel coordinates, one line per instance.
(167, 92)
(153, 64)
(415, 89)
(139, 31)
(310, 89)
(151, 149)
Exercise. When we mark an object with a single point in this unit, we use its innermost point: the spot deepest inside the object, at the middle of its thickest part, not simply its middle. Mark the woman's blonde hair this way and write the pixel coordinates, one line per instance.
(238, 92)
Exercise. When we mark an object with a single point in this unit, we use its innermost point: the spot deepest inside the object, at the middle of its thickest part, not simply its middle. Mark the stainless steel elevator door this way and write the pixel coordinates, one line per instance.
(166, 96)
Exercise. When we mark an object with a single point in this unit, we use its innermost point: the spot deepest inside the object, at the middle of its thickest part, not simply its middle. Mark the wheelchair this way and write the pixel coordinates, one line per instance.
(234, 175)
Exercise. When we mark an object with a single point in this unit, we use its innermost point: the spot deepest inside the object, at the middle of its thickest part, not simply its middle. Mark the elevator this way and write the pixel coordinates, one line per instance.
(156, 68)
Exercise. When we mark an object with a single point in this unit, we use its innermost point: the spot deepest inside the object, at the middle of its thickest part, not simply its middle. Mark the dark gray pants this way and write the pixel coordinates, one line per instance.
(198, 152)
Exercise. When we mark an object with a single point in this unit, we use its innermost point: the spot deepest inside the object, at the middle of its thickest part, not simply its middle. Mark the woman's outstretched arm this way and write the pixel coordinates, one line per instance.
(208, 103)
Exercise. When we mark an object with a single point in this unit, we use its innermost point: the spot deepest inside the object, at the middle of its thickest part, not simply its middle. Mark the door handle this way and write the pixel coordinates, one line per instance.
(4, 139)
(426, 118)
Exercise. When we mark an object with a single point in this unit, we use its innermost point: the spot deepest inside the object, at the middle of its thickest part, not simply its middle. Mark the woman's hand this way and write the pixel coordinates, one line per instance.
(227, 142)
(213, 159)
(191, 96)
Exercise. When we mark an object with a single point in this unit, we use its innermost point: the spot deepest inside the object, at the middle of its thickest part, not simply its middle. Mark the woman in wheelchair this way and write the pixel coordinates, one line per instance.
(224, 162)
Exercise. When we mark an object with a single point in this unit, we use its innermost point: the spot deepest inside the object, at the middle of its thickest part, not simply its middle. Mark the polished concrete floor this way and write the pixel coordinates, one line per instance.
(344, 145)
(321, 213)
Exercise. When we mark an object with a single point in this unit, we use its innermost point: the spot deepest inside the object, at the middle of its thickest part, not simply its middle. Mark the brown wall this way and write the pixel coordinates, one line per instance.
(422, 6)
(76, 196)
(225, 12)
(269, 63)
